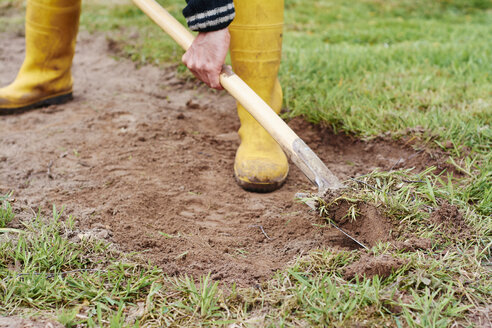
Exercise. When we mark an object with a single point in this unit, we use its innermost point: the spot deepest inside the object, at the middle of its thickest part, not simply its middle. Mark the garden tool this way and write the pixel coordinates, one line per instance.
(296, 149)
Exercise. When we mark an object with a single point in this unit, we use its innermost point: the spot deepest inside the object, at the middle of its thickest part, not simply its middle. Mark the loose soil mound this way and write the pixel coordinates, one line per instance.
(450, 218)
(369, 266)
(369, 226)
(144, 160)
(413, 244)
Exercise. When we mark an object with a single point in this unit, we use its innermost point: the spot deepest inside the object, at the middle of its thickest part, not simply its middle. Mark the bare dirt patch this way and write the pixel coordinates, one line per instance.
(17, 322)
(146, 160)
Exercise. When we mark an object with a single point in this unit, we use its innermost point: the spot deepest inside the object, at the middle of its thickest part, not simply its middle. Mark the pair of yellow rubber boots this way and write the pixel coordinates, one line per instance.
(256, 41)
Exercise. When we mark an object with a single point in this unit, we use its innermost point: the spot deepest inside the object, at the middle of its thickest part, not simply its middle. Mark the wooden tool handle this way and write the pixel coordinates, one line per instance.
(302, 156)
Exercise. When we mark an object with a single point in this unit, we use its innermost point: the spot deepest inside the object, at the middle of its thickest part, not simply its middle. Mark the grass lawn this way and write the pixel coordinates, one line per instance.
(415, 70)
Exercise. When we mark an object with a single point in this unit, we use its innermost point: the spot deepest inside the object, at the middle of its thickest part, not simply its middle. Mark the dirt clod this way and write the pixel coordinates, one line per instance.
(369, 266)
(412, 244)
(450, 218)
(370, 226)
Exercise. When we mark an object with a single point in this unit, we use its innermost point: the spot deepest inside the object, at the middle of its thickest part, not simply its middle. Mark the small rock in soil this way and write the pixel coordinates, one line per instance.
(192, 105)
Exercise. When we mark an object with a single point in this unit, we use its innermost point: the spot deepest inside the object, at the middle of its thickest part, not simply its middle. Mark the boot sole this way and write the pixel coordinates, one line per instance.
(260, 187)
(57, 100)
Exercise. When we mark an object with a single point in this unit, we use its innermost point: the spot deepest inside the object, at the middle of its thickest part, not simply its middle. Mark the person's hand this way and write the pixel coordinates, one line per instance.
(206, 56)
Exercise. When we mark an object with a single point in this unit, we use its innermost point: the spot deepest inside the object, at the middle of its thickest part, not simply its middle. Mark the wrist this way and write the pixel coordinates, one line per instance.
(209, 15)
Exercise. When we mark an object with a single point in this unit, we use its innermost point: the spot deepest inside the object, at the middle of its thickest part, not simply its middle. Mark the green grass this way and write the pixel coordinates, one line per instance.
(413, 69)
(389, 66)
(139, 38)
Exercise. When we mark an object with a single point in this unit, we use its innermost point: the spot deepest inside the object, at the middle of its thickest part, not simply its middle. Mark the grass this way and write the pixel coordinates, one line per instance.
(6, 214)
(47, 270)
(404, 69)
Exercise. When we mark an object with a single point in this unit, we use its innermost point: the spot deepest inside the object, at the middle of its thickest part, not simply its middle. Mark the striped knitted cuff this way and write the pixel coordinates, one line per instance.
(209, 15)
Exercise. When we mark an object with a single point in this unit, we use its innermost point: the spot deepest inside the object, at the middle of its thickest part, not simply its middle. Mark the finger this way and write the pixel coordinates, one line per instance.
(202, 76)
(217, 76)
(196, 75)
(186, 58)
(216, 84)
(215, 81)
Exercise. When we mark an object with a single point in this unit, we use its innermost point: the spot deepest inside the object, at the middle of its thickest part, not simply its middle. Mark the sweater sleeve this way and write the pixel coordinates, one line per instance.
(209, 15)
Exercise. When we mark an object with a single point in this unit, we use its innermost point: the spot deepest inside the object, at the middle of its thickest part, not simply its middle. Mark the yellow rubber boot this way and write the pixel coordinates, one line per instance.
(256, 44)
(45, 76)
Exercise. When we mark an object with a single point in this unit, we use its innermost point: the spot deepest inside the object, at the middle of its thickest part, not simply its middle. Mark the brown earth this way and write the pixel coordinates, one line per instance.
(370, 225)
(17, 322)
(144, 160)
(369, 265)
(412, 244)
(450, 218)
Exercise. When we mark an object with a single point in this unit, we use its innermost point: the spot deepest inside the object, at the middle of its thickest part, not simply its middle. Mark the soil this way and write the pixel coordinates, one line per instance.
(144, 159)
(17, 322)
(481, 316)
(369, 266)
(370, 225)
(450, 219)
(413, 244)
